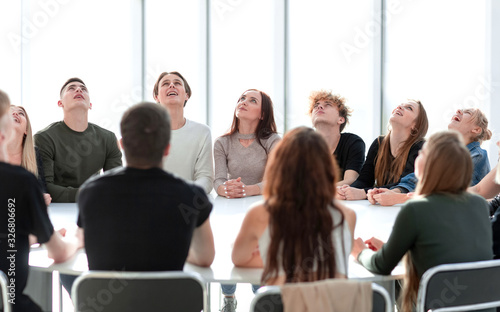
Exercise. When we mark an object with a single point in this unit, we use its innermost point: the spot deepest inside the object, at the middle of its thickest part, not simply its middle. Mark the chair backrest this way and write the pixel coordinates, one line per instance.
(5, 305)
(107, 291)
(268, 299)
(460, 287)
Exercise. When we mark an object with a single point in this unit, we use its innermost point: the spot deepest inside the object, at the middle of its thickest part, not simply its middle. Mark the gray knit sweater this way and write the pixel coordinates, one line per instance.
(233, 160)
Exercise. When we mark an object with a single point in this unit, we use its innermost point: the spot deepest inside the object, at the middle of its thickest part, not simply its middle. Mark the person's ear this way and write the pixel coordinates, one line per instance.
(59, 103)
(90, 105)
(341, 120)
(166, 151)
(476, 130)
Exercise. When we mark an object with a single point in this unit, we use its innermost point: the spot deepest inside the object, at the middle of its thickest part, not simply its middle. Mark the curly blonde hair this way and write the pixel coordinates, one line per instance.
(339, 101)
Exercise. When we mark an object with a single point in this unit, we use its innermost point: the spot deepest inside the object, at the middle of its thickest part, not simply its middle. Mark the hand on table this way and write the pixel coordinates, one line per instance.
(234, 188)
(47, 198)
(346, 192)
(74, 236)
(62, 231)
(386, 197)
(374, 243)
(359, 245)
(372, 193)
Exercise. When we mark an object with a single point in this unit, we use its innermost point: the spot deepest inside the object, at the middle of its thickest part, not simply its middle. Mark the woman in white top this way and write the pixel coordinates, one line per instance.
(309, 233)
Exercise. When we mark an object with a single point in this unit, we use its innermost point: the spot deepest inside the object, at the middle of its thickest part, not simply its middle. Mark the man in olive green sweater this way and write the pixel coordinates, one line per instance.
(73, 149)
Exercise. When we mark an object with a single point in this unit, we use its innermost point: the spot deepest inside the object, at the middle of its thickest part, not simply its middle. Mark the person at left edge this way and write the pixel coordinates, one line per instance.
(23, 213)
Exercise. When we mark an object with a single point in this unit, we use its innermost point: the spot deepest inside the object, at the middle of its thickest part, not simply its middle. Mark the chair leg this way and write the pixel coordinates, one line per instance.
(219, 290)
(209, 295)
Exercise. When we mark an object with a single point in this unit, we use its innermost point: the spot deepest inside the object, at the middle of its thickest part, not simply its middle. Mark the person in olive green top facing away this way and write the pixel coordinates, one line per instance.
(74, 149)
(442, 224)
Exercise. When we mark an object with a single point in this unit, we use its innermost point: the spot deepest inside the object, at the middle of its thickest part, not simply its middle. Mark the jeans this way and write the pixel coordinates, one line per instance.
(230, 289)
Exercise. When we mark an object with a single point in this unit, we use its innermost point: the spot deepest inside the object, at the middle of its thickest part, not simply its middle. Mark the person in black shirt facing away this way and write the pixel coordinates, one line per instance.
(139, 217)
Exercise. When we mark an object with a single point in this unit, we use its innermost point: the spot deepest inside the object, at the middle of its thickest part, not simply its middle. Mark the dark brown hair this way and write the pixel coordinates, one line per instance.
(300, 186)
(157, 84)
(389, 169)
(70, 80)
(145, 129)
(266, 126)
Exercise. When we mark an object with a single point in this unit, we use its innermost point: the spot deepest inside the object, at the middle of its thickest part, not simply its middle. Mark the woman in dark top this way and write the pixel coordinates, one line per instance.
(392, 156)
(442, 224)
(21, 149)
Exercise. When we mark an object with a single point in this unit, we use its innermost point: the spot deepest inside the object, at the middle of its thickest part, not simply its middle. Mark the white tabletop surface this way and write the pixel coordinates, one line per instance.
(226, 219)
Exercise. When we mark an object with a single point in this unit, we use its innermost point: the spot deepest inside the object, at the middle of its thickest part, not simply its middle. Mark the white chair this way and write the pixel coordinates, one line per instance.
(5, 293)
(108, 291)
(466, 286)
(268, 299)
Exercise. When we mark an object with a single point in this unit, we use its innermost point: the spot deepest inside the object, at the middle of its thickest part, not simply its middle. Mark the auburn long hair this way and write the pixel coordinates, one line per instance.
(28, 158)
(266, 126)
(300, 186)
(447, 170)
(389, 169)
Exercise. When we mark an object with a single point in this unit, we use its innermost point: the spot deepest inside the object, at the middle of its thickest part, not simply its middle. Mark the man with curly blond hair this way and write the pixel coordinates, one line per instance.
(329, 116)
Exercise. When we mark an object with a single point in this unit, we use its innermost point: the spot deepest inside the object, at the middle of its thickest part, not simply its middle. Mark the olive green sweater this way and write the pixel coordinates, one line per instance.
(71, 157)
(436, 229)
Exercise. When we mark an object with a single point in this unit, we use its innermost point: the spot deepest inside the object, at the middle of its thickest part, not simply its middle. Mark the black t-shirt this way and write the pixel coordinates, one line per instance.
(21, 205)
(350, 153)
(139, 220)
(366, 179)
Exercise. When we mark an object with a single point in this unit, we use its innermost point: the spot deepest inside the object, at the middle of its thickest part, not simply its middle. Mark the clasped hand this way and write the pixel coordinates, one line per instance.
(234, 188)
(345, 192)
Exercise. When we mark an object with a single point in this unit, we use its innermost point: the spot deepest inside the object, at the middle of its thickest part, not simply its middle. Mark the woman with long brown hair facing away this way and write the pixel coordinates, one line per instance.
(391, 157)
(442, 224)
(300, 232)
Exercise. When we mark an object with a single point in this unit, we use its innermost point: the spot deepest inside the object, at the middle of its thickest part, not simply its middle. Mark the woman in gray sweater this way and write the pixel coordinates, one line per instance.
(241, 154)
